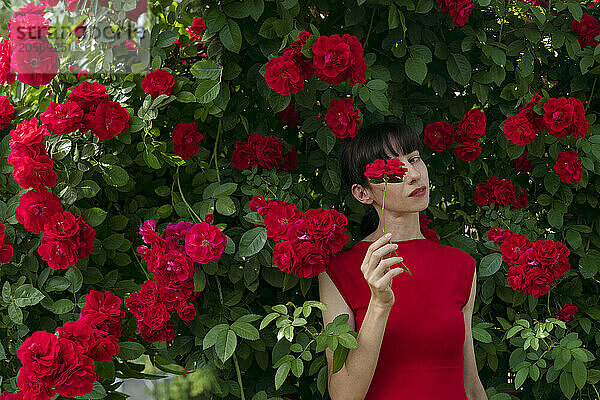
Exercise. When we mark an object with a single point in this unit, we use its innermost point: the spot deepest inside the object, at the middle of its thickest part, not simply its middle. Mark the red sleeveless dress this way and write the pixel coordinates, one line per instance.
(421, 354)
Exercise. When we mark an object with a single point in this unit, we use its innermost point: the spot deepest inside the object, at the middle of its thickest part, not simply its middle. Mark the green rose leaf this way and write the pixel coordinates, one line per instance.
(415, 69)
(231, 36)
(252, 241)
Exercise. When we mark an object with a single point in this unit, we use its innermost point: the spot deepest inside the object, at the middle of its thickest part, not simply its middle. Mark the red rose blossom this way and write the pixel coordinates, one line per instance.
(158, 82)
(63, 118)
(108, 120)
(512, 247)
(579, 125)
(523, 164)
(503, 189)
(376, 169)
(517, 277)
(290, 160)
(569, 167)
(186, 312)
(325, 228)
(567, 312)
(88, 94)
(259, 204)
(243, 157)
(586, 30)
(35, 68)
(312, 259)
(283, 76)
(11, 396)
(342, 118)
(539, 282)
(35, 207)
(428, 233)
(7, 75)
(23, 27)
(483, 194)
(558, 116)
(520, 201)
(267, 150)
(6, 251)
(28, 133)
(337, 59)
(196, 29)
(34, 172)
(205, 243)
(290, 116)
(279, 219)
(438, 135)
(468, 151)
(7, 111)
(472, 126)
(185, 140)
(519, 130)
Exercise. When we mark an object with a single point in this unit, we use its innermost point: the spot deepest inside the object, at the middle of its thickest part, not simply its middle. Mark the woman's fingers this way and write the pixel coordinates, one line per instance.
(386, 279)
(371, 262)
(385, 265)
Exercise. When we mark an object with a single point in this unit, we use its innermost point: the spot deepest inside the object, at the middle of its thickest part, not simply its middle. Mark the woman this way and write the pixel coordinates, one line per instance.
(414, 337)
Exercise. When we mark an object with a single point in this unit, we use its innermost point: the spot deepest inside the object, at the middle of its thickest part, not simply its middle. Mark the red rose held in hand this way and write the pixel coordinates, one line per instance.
(438, 135)
(376, 169)
(342, 118)
(185, 140)
(158, 82)
(568, 167)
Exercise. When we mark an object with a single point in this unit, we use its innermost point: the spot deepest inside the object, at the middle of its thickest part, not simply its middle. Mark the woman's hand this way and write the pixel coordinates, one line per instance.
(377, 272)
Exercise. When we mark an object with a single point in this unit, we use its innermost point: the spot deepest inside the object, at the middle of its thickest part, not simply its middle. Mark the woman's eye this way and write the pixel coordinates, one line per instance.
(414, 158)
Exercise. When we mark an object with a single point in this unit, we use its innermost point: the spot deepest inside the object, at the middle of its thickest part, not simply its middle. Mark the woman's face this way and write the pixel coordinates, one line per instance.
(398, 195)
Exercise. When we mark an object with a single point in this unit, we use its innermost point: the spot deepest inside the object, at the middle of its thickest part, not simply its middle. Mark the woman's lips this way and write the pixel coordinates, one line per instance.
(419, 192)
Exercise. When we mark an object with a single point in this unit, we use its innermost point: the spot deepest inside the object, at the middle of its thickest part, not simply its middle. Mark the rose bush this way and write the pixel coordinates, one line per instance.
(201, 186)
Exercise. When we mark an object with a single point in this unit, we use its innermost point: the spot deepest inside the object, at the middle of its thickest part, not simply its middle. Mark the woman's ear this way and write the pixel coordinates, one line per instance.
(362, 194)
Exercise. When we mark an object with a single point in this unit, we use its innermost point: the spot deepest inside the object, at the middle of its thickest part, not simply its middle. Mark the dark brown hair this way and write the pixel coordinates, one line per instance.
(373, 142)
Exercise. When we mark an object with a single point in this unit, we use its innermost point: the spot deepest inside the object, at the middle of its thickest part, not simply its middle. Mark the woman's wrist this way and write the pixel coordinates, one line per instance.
(379, 306)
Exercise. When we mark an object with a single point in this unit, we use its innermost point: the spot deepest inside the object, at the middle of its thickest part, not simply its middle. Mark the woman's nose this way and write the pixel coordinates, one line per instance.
(412, 174)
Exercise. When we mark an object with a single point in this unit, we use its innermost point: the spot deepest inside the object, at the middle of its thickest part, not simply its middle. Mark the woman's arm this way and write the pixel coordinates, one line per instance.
(353, 380)
(473, 387)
